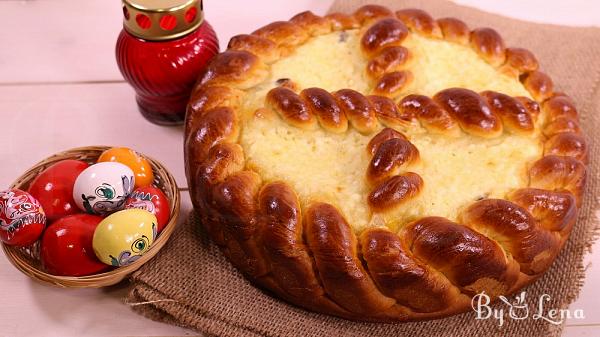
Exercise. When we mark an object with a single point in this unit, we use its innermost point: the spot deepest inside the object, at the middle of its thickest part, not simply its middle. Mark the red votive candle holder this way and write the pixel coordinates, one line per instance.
(163, 47)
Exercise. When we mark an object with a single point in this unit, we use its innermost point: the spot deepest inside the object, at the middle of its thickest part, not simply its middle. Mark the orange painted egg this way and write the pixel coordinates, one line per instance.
(138, 164)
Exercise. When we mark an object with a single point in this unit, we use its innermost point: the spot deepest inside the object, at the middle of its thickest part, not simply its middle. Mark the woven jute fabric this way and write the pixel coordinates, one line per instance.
(191, 284)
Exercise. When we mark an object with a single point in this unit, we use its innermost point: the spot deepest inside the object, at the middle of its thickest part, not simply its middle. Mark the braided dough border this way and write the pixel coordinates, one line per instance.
(431, 268)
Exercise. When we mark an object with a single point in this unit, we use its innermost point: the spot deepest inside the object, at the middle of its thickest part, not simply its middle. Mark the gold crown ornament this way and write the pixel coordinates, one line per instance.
(158, 20)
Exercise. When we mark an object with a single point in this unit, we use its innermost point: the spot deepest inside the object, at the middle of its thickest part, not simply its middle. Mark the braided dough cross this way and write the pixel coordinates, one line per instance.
(428, 163)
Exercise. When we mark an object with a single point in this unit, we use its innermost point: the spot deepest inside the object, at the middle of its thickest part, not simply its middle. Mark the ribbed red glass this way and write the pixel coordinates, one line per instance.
(163, 73)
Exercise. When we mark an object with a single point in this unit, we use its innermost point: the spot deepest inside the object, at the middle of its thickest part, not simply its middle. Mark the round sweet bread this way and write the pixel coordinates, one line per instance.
(383, 166)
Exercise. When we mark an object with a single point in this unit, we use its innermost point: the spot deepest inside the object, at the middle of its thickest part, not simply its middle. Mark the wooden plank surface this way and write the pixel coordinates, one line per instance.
(60, 88)
(74, 41)
(45, 119)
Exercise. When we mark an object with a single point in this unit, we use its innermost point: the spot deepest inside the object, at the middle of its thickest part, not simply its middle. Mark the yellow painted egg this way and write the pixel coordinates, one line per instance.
(123, 237)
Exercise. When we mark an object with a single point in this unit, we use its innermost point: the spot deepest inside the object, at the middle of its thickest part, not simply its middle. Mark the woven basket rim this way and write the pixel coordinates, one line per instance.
(22, 257)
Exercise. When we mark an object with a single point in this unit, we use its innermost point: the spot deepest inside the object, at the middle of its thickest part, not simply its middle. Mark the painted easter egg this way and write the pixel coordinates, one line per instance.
(66, 246)
(153, 200)
(103, 188)
(138, 164)
(123, 237)
(22, 218)
(53, 188)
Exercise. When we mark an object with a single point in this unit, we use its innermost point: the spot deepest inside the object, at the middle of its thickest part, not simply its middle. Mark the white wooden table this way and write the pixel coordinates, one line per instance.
(60, 88)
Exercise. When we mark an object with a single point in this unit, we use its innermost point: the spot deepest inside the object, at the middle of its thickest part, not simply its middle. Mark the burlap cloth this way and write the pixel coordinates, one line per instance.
(191, 284)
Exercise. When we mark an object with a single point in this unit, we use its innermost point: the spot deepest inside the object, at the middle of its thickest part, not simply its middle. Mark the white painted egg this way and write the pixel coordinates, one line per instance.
(103, 188)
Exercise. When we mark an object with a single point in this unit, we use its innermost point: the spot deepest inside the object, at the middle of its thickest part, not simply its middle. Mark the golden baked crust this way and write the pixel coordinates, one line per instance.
(400, 265)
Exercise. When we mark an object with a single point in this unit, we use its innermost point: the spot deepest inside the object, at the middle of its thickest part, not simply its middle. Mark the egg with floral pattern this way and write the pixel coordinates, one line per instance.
(154, 201)
(22, 218)
(103, 188)
(123, 237)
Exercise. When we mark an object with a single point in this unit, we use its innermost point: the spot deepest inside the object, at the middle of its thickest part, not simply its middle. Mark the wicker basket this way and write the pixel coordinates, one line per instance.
(27, 259)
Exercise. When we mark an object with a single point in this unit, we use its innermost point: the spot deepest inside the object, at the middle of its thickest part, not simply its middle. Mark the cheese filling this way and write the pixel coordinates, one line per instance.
(323, 166)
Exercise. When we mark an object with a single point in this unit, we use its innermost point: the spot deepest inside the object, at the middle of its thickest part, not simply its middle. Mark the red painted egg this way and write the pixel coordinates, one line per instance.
(22, 218)
(153, 200)
(66, 247)
(53, 188)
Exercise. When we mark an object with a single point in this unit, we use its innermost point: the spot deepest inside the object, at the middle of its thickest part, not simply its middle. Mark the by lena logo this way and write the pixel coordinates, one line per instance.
(518, 309)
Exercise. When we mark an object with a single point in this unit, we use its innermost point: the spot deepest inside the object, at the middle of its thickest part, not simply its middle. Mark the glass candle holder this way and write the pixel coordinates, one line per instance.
(163, 47)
